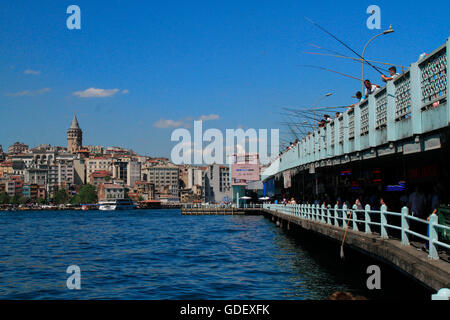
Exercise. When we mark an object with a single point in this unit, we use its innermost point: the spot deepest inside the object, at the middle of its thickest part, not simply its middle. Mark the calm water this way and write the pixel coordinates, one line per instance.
(159, 254)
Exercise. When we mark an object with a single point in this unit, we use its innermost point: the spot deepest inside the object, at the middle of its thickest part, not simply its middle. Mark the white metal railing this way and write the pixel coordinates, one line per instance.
(220, 206)
(363, 219)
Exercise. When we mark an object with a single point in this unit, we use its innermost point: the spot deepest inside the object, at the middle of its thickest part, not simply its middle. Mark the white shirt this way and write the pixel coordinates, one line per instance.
(372, 90)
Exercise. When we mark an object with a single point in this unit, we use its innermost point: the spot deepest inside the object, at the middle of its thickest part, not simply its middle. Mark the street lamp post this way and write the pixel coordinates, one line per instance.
(315, 106)
(390, 30)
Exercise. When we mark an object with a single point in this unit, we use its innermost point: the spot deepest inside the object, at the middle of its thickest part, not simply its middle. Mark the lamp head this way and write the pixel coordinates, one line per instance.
(390, 30)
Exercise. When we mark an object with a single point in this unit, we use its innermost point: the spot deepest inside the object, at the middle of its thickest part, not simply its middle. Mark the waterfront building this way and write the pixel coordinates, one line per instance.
(217, 183)
(6, 168)
(74, 136)
(144, 190)
(127, 170)
(163, 175)
(103, 163)
(79, 171)
(99, 177)
(30, 191)
(195, 176)
(18, 168)
(110, 191)
(95, 150)
(37, 174)
(2, 154)
(17, 147)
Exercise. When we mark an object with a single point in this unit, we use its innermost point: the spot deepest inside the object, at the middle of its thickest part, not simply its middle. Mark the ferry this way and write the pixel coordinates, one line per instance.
(119, 204)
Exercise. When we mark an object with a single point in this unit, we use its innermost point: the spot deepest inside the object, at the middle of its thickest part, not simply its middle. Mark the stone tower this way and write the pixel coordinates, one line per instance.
(74, 136)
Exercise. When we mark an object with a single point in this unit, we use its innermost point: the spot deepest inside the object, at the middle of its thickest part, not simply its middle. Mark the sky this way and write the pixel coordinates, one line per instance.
(137, 70)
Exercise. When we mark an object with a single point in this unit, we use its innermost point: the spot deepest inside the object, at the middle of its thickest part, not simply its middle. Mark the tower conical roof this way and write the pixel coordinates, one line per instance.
(74, 123)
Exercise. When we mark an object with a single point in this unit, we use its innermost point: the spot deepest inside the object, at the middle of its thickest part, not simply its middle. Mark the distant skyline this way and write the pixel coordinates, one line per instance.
(138, 70)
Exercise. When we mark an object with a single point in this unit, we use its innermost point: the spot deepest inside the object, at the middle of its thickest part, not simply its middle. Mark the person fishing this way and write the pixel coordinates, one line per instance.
(370, 88)
(392, 72)
(358, 95)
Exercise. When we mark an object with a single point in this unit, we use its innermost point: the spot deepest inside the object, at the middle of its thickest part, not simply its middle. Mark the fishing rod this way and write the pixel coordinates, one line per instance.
(337, 54)
(343, 43)
(318, 47)
(351, 58)
(356, 59)
(326, 69)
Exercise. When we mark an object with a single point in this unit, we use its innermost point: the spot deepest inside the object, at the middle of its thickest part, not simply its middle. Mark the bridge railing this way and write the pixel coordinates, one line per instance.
(367, 220)
(413, 103)
(220, 206)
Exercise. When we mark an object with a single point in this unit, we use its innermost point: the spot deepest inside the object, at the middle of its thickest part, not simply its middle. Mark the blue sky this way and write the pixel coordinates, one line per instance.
(174, 61)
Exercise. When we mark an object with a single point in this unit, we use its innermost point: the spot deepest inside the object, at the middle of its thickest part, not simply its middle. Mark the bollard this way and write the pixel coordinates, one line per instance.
(433, 236)
(367, 219)
(383, 221)
(405, 226)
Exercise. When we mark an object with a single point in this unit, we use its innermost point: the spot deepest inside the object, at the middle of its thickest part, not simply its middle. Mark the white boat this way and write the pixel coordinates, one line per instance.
(119, 204)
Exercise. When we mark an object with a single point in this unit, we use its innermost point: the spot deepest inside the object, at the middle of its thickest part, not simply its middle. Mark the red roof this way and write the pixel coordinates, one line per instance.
(101, 174)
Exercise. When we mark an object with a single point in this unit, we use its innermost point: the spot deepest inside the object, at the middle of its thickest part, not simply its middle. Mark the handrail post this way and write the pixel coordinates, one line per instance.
(367, 219)
(328, 215)
(344, 215)
(336, 221)
(354, 218)
(405, 226)
(383, 221)
(322, 211)
(433, 236)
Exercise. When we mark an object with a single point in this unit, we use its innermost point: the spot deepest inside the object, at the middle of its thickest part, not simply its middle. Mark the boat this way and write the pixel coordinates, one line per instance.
(119, 204)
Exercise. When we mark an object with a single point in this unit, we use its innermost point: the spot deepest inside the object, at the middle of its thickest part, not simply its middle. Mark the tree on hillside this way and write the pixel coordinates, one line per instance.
(86, 195)
(16, 199)
(4, 198)
(42, 201)
(61, 197)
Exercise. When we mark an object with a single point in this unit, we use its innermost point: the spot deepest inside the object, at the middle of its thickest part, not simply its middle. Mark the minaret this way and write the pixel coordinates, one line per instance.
(74, 136)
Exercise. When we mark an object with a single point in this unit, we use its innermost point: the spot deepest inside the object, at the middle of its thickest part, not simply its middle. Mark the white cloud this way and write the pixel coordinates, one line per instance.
(29, 92)
(96, 93)
(162, 123)
(33, 72)
(185, 123)
(209, 117)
